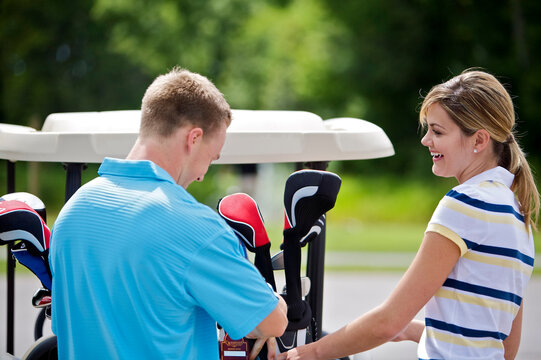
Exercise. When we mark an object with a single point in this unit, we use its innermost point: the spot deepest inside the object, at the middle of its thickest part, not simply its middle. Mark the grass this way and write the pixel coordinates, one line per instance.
(357, 236)
(372, 213)
(376, 237)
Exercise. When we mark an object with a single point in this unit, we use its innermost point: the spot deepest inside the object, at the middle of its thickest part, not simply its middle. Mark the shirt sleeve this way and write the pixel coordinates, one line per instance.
(448, 223)
(228, 287)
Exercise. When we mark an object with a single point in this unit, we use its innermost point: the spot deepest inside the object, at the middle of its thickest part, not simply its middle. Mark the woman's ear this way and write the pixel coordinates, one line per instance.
(482, 139)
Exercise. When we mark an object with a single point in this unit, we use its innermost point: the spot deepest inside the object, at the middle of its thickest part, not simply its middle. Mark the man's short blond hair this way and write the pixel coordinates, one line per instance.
(181, 98)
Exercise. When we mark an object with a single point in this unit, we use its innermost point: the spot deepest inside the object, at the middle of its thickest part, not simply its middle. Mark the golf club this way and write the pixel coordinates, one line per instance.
(241, 212)
(277, 261)
(308, 195)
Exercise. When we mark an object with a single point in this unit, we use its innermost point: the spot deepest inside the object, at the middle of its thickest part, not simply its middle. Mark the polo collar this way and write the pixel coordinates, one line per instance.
(134, 168)
(497, 174)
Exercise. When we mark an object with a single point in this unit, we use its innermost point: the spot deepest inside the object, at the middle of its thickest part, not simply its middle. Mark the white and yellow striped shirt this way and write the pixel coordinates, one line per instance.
(472, 313)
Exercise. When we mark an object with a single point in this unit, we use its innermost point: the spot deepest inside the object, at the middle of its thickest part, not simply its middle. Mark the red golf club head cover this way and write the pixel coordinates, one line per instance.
(18, 221)
(29, 199)
(241, 212)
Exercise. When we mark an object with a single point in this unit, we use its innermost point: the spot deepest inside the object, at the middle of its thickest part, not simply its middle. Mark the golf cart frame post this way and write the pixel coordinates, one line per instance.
(75, 139)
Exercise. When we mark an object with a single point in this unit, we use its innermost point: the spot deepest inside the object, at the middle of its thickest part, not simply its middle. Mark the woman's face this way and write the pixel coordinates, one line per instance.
(452, 151)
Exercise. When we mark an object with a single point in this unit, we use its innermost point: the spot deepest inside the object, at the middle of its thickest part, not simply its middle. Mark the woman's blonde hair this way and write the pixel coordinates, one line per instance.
(477, 100)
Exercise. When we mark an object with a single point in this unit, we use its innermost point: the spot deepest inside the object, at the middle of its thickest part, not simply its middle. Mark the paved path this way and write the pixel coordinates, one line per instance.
(369, 259)
(346, 295)
(386, 260)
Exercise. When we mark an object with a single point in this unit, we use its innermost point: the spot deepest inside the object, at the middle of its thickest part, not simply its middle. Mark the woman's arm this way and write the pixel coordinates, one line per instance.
(512, 342)
(434, 261)
(412, 332)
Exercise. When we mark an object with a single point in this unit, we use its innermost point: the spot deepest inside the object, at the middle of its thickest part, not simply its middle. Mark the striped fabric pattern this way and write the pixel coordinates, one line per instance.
(472, 313)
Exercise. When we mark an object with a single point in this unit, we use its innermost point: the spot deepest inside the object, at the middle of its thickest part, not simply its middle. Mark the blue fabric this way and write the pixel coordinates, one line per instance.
(474, 333)
(142, 270)
(498, 250)
(482, 290)
(34, 263)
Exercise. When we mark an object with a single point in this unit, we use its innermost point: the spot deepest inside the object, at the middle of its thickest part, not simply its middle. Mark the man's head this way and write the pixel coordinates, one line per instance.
(184, 119)
(181, 98)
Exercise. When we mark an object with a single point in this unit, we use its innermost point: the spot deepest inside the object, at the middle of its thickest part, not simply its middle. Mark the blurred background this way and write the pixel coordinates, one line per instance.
(365, 59)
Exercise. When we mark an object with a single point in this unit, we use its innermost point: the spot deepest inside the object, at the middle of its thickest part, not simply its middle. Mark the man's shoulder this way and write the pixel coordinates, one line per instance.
(183, 213)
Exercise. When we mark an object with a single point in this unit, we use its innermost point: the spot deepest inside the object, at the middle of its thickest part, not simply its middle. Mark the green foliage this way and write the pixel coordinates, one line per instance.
(157, 35)
(53, 60)
(381, 214)
(288, 57)
(220, 180)
(403, 48)
(370, 59)
(387, 199)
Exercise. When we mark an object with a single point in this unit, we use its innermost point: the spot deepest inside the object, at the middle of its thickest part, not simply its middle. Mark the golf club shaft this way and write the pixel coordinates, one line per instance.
(292, 260)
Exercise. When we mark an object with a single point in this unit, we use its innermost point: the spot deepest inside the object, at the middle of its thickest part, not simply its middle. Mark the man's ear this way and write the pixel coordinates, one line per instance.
(482, 139)
(194, 137)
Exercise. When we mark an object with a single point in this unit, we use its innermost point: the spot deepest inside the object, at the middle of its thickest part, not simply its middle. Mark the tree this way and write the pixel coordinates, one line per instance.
(402, 48)
(53, 60)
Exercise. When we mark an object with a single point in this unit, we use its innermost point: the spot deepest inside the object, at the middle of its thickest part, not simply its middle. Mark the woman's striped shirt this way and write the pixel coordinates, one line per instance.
(472, 313)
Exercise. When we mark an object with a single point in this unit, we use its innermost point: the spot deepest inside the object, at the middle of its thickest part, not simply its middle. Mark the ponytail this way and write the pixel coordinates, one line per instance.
(514, 160)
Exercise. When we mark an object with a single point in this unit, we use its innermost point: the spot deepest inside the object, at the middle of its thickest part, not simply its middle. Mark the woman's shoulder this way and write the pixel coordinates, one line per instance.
(486, 191)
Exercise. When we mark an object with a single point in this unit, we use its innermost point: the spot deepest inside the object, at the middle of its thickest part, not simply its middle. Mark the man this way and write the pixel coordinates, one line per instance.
(141, 270)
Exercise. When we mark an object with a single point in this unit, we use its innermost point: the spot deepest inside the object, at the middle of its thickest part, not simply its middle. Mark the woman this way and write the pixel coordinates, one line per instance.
(477, 253)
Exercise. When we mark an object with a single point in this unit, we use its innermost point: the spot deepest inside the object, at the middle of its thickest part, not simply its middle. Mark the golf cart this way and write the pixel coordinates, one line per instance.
(76, 139)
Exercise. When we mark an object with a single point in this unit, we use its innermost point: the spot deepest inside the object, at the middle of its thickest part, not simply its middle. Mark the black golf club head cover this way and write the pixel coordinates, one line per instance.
(242, 213)
(314, 231)
(308, 195)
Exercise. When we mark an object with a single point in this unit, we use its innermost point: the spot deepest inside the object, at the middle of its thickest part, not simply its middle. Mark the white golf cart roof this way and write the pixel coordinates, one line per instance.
(254, 136)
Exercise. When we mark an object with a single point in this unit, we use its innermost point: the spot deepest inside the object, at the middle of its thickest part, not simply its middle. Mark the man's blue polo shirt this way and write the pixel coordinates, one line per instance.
(141, 270)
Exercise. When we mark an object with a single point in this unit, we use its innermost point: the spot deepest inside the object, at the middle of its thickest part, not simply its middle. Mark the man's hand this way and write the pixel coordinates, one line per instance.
(271, 348)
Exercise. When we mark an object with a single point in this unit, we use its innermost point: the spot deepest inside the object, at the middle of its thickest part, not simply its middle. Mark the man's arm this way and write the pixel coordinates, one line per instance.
(274, 324)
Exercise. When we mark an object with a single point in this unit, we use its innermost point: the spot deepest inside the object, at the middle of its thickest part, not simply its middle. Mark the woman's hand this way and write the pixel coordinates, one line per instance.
(299, 353)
